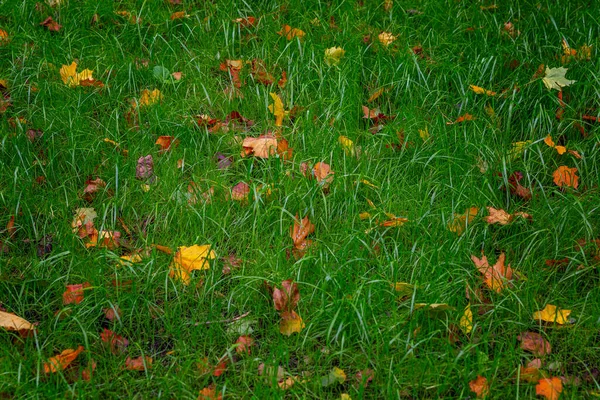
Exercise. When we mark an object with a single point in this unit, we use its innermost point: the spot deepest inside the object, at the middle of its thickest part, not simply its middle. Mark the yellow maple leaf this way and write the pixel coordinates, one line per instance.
(150, 97)
(551, 313)
(480, 90)
(188, 259)
(71, 77)
(466, 321)
(277, 109)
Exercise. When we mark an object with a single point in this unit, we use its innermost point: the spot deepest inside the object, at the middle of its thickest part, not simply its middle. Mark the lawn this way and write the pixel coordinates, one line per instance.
(264, 199)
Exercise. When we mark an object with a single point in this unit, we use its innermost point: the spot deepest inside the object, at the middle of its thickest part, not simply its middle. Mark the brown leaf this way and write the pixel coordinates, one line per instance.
(260, 74)
(290, 323)
(550, 388)
(375, 116)
(565, 176)
(499, 216)
(461, 221)
(240, 191)
(88, 372)
(138, 364)
(534, 343)
(286, 298)
(62, 361)
(51, 24)
(299, 232)
(92, 186)
(515, 186)
(178, 15)
(112, 313)
(245, 22)
(244, 343)
(263, 146)
(496, 277)
(462, 118)
(234, 67)
(117, 343)
(480, 387)
(323, 173)
(12, 322)
(74, 293)
(210, 393)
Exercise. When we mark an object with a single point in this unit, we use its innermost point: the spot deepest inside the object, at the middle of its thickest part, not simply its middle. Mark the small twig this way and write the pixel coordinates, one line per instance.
(224, 321)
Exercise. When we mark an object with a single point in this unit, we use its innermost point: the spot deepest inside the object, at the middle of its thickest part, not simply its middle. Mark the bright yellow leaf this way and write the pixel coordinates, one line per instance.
(188, 259)
(277, 109)
(480, 90)
(71, 77)
(466, 321)
(347, 145)
(424, 134)
(150, 97)
(551, 313)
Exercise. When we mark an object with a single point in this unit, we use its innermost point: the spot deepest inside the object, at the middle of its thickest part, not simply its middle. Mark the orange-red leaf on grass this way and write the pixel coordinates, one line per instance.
(531, 373)
(299, 233)
(4, 39)
(165, 143)
(260, 73)
(188, 259)
(12, 322)
(480, 90)
(221, 367)
(551, 313)
(497, 276)
(462, 118)
(480, 387)
(178, 15)
(499, 216)
(559, 149)
(290, 323)
(245, 22)
(10, 227)
(393, 221)
(234, 67)
(88, 372)
(550, 388)
(240, 191)
(210, 393)
(74, 293)
(92, 186)
(51, 24)
(515, 186)
(244, 343)
(565, 176)
(286, 298)
(112, 313)
(323, 173)
(62, 361)
(117, 343)
(289, 33)
(138, 364)
(461, 221)
(375, 115)
(534, 343)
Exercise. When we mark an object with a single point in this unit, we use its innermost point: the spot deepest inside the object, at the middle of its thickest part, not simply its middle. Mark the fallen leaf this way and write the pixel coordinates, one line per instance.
(462, 221)
(112, 313)
(51, 24)
(555, 78)
(88, 372)
(178, 15)
(72, 78)
(74, 293)
(290, 323)
(277, 109)
(323, 173)
(550, 388)
(376, 95)
(210, 393)
(335, 376)
(334, 55)
(138, 364)
(559, 149)
(433, 307)
(165, 143)
(188, 259)
(145, 168)
(299, 232)
(551, 313)
(386, 38)
(12, 322)
(565, 176)
(234, 67)
(290, 33)
(466, 321)
(62, 361)
(499, 216)
(518, 148)
(286, 299)
(149, 98)
(516, 188)
(117, 343)
(220, 368)
(462, 118)
(405, 289)
(84, 217)
(263, 146)
(375, 116)
(240, 191)
(531, 373)
(92, 186)
(245, 22)
(480, 90)
(244, 343)
(480, 387)
(496, 277)
(4, 38)
(534, 343)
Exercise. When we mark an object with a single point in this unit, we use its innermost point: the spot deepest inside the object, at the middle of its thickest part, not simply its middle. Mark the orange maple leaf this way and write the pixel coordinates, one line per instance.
(480, 387)
(550, 388)
(62, 361)
(496, 277)
(299, 232)
(565, 176)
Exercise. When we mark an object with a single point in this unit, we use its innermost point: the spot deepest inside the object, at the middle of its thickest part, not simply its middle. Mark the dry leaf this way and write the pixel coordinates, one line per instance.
(138, 364)
(499, 216)
(555, 78)
(496, 277)
(287, 298)
(323, 173)
(466, 321)
(263, 146)
(245, 22)
(4, 38)
(347, 145)
(188, 259)
(92, 186)
(550, 388)
(462, 221)
(165, 143)
(289, 33)
(178, 15)
(51, 24)
(559, 149)
(74, 293)
(386, 38)
(299, 232)
(551, 313)
(240, 191)
(290, 323)
(117, 343)
(480, 90)
(12, 322)
(244, 343)
(72, 78)
(565, 176)
(210, 393)
(462, 118)
(480, 387)
(149, 98)
(334, 55)
(62, 361)
(277, 109)
(534, 343)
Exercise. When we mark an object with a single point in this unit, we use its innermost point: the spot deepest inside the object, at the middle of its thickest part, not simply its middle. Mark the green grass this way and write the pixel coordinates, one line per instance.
(354, 319)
